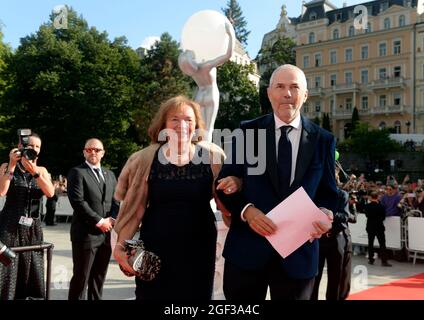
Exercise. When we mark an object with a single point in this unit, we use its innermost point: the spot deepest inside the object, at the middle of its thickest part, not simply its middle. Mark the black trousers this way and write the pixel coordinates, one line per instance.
(346, 268)
(90, 268)
(372, 233)
(244, 285)
(331, 249)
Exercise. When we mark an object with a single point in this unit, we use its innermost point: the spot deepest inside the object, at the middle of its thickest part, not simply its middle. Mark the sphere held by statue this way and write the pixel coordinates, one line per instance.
(204, 34)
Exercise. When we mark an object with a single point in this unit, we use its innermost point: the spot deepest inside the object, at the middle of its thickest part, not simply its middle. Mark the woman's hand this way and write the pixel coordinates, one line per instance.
(29, 166)
(121, 257)
(229, 185)
(14, 157)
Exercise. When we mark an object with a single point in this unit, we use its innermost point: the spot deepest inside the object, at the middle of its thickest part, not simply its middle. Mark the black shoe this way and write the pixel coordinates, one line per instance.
(51, 224)
(371, 261)
(386, 264)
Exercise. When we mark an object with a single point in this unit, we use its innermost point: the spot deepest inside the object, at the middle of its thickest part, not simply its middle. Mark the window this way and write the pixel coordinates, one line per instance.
(384, 6)
(396, 47)
(305, 107)
(382, 74)
(386, 23)
(364, 76)
(397, 126)
(348, 77)
(397, 71)
(364, 103)
(306, 61)
(348, 104)
(313, 15)
(351, 31)
(333, 57)
(348, 54)
(332, 104)
(382, 100)
(333, 80)
(317, 82)
(401, 21)
(364, 52)
(335, 33)
(338, 16)
(382, 49)
(397, 99)
(311, 37)
(318, 60)
(317, 106)
(382, 125)
(368, 29)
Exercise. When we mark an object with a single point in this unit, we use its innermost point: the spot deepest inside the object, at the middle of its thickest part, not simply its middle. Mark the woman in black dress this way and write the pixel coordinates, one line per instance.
(23, 183)
(178, 223)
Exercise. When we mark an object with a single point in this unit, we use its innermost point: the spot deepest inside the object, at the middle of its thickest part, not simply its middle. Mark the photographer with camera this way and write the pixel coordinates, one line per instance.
(24, 183)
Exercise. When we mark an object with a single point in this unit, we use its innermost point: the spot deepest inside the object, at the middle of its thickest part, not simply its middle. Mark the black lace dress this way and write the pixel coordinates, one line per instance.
(23, 278)
(179, 226)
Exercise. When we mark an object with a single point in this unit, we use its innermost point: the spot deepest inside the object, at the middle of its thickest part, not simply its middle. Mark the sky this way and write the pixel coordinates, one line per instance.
(138, 20)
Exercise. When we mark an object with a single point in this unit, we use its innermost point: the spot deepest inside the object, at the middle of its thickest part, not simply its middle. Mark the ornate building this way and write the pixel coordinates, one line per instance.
(371, 60)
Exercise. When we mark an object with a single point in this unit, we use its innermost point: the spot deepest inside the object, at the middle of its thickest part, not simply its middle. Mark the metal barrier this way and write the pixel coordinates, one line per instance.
(401, 232)
(40, 247)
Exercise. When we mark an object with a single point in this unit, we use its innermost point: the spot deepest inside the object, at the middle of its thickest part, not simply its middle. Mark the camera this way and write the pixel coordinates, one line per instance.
(29, 153)
(6, 254)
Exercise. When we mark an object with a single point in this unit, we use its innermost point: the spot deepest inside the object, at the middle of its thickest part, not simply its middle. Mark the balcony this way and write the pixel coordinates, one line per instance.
(389, 109)
(387, 83)
(314, 92)
(345, 88)
(342, 114)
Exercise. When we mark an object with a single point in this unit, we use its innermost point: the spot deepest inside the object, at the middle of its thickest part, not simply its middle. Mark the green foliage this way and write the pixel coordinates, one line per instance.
(5, 54)
(372, 144)
(70, 85)
(355, 118)
(234, 13)
(281, 52)
(160, 79)
(326, 122)
(238, 99)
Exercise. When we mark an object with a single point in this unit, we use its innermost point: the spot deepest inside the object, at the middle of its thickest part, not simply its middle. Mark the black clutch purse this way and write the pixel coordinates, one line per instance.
(145, 263)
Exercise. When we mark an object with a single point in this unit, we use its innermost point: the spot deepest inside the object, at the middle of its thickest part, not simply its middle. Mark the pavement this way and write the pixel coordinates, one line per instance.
(120, 287)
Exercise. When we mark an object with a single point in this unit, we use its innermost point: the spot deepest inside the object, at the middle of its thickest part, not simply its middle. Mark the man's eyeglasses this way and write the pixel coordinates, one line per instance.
(90, 150)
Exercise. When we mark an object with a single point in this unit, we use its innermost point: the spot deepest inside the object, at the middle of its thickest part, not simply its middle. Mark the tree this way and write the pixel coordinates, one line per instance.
(355, 118)
(372, 144)
(239, 98)
(326, 122)
(160, 79)
(281, 52)
(234, 13)
(5, 54)
(70, 85)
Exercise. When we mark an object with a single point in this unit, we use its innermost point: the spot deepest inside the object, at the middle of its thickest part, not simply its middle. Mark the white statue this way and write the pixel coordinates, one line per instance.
(204, 74)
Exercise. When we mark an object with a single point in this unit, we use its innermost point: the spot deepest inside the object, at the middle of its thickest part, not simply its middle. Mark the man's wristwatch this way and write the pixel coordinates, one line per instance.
(36, 175)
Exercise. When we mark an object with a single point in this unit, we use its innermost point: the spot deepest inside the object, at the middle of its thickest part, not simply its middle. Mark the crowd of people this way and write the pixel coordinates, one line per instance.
(163, 193)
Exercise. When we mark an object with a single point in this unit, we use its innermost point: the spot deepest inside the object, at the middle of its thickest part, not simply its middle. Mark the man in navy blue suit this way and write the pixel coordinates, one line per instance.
(306, 160)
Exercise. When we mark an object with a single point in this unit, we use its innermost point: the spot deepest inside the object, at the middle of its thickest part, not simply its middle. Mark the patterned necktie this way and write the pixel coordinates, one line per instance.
(284, 160)
(99, 177)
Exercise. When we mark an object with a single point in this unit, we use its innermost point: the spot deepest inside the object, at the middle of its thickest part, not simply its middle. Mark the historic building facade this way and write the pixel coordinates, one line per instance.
(374, 64)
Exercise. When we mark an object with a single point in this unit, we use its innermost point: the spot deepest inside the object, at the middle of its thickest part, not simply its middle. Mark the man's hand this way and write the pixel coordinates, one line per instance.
(322, 226)
(106, 226)
(259, 222)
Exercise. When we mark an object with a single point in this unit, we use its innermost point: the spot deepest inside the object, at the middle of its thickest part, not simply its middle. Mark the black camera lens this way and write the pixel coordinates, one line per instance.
(6, 255)
(29, 153)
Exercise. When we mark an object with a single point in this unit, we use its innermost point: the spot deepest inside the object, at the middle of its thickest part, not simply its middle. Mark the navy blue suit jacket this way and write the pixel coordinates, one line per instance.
(314, 172)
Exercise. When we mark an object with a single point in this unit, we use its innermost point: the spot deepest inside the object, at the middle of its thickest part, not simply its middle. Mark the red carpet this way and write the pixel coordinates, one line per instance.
(411, 288)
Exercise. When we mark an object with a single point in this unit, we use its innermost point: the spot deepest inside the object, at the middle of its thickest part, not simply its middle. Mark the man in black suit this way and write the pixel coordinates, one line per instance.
(90, 192)
(298, 154)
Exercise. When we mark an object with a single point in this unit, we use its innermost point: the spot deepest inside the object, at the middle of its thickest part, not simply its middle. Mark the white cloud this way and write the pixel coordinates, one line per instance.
(149, 42)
